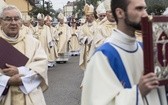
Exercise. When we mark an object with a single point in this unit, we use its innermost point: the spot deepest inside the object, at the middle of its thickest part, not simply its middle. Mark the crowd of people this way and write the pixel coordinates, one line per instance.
(58, 41)
(114, 73)
(109, 46)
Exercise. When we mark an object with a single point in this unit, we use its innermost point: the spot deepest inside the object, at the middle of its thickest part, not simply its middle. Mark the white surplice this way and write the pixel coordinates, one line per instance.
(101, 85)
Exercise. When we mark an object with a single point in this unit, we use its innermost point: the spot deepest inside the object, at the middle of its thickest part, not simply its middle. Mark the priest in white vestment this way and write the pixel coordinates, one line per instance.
(74, 46)
(53, 49)
(104, 30)
(101, 12)
(63, 36)
(43, 34)
(114, 75)
(86, 35)
(27, 22)
(25, 84)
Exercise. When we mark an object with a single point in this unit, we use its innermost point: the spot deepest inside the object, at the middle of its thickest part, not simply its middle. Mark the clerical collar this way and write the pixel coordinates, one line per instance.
(11, 38)
(125, 35)
(123, 41)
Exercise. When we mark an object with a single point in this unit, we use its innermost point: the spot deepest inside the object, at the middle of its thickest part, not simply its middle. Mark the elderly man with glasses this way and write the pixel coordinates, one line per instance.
(26, 83)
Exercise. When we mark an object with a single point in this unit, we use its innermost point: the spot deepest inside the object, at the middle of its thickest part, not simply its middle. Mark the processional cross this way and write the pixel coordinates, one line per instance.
(164, 42)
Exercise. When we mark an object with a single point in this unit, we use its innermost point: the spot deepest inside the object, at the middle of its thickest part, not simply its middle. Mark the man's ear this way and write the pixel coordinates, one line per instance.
(120, 13)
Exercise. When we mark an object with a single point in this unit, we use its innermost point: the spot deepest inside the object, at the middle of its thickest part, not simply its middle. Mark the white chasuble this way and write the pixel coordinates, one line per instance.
(37, 63)
(113, 79)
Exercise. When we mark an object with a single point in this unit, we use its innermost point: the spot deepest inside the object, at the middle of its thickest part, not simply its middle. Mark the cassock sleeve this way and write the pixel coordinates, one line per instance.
(82, 37)
(30, 80)
(102, 87)
(3, 82)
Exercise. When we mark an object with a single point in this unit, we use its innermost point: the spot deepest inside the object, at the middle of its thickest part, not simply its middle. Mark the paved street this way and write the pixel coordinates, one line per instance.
(64, 84)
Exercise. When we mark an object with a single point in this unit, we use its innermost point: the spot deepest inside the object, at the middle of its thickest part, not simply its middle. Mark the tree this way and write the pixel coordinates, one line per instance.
(156, 7)
(80, 5)
(46, 9)
(79, 9)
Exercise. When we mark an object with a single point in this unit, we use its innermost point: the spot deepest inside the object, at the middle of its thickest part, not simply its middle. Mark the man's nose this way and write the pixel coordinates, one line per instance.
(144, 14)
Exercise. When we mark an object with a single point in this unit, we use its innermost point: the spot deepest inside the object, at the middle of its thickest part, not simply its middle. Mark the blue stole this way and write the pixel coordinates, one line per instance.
(117, 65)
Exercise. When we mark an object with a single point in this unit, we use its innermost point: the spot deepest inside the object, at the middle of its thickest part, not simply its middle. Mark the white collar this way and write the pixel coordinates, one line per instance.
(11, 38)
(122, 40)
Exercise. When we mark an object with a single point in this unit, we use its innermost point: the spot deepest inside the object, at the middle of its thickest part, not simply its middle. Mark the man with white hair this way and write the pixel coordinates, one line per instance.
(27, 27)
(22, 85)
(62, 38)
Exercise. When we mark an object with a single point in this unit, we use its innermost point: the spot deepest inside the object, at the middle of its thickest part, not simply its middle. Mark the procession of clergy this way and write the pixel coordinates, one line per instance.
(73, 39)
(64, 40)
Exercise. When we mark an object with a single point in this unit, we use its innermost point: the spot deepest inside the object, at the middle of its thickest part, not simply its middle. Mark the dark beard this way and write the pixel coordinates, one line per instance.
(136, 26)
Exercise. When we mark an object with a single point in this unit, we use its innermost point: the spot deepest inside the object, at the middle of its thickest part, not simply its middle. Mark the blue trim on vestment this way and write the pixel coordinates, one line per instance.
(141, 44)
(116, 63)
(137, 94)
(127, 50)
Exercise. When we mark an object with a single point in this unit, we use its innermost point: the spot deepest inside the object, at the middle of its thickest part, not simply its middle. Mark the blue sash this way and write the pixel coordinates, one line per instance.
(116, 63)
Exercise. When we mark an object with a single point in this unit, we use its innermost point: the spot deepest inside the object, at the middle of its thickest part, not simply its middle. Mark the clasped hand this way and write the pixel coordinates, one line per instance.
(14, 75)
(10, 70)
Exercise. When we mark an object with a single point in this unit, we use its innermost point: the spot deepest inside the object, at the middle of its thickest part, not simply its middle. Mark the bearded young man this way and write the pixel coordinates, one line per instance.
(28, 82)
(114, 75)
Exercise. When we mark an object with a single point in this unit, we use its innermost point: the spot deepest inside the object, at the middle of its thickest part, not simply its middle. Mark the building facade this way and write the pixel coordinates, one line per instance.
(23, 5)
(69, 8)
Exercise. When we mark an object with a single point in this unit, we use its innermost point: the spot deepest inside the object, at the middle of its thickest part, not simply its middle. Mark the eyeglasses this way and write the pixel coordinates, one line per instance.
(11, 19)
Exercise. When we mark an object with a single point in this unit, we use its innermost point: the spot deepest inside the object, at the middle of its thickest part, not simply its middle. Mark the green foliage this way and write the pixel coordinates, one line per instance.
(46, 10)
(93, 2)
(79, 9)
(80, 5)
(156, 7)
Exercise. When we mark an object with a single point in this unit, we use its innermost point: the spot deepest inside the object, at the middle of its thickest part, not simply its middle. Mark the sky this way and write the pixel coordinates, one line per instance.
(59, 3)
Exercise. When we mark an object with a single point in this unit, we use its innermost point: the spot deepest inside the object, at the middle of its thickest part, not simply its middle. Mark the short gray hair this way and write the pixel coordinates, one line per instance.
(10, 7)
